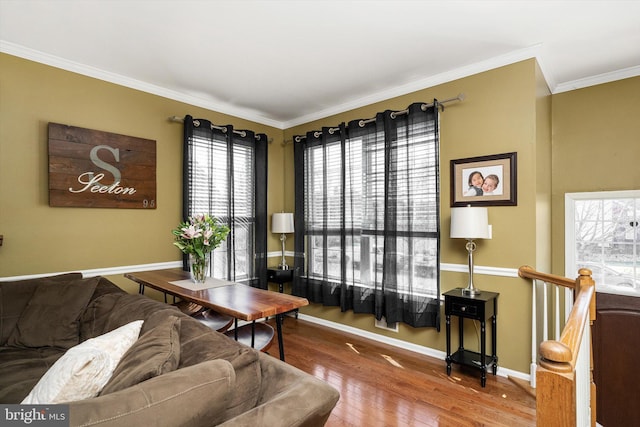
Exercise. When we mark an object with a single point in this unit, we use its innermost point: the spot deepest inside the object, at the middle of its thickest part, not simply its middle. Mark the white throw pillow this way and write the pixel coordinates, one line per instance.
(84, 369)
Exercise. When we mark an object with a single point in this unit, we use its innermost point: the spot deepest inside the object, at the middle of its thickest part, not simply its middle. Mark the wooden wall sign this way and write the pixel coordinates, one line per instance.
(94, 169)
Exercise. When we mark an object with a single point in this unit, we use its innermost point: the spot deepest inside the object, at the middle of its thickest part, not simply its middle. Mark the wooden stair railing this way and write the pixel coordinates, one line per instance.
(566, 393)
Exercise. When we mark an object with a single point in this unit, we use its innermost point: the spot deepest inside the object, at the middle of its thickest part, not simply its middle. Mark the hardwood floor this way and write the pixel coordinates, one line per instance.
(381, 385)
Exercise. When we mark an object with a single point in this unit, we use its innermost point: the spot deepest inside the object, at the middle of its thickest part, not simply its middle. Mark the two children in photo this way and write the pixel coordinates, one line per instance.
(481, 186)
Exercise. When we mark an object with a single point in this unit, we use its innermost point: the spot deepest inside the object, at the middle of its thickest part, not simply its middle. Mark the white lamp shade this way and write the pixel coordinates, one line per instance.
(470, 223)
(282, 223)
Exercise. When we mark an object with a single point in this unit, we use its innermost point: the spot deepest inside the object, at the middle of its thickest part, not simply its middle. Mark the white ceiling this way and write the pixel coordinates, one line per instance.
(284, 63)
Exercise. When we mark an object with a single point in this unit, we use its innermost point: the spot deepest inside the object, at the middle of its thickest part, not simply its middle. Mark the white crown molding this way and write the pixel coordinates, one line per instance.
(55, 61)
(478, 67)
(85, 70)
(427, 351)
(546, 73)
(225, 108)
(597, 80)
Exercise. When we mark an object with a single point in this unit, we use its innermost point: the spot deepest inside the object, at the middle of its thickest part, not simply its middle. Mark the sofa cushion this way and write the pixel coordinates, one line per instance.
(63, 302)
(84, 369)
(93, 321)
(194, 396)
(198, 343)
(292, 398)
(21, 368)
(156, 352)
(15, 295)
(113, 310)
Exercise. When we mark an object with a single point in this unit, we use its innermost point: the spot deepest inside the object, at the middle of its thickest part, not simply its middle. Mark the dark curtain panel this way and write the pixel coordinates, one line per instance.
(300, 283)
(225, 175)
(367, 205)
(260, 234)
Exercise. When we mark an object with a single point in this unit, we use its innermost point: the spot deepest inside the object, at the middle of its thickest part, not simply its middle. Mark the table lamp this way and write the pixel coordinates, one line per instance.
(470, 223)
(282, 223)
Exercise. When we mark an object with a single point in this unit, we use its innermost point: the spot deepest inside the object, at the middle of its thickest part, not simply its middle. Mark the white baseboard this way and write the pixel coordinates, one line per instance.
(427, 351)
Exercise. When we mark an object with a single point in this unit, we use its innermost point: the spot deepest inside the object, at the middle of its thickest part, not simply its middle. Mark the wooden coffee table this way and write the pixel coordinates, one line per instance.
(236, 300)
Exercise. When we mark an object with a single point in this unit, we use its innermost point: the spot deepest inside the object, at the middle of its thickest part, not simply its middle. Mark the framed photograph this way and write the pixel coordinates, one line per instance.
(484, 181)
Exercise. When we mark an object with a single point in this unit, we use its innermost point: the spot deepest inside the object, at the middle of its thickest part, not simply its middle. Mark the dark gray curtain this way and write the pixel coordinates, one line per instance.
(367, 216)
(225, 175)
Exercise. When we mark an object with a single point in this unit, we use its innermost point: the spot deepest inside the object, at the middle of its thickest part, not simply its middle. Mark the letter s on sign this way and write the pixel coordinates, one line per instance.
(93, 155)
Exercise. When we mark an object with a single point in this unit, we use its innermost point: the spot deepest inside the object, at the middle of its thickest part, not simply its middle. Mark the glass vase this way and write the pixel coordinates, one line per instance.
(199, 268)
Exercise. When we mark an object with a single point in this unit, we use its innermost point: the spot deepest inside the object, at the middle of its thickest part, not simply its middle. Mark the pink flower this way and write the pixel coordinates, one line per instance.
(191, 232)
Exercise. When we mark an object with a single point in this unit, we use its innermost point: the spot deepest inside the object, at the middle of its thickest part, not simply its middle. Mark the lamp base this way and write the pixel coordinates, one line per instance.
(283, 264)
(471, 291)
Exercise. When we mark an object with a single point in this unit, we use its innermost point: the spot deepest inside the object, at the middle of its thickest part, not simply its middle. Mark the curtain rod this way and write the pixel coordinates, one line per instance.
(223, 129)
(394, 114)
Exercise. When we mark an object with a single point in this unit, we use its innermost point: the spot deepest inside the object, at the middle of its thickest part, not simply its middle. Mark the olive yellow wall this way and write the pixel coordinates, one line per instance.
(543, 177)
(40, 239)
(596, 146)
(505, 109)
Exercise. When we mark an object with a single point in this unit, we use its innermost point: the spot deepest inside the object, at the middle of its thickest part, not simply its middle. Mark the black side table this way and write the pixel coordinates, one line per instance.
(276, 275)
(279, 276)
(481, 307)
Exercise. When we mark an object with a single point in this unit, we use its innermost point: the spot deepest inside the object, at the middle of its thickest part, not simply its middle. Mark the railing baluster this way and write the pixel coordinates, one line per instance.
(566, 393)
(534, 336)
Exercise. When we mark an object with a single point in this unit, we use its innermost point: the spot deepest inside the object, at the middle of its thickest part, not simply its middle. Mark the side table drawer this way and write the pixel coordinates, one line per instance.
(279, 276)
(478, 307)
(462, 309)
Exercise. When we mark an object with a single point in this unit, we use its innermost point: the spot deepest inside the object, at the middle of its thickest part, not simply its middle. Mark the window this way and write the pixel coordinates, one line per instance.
(603, 235)
(225, 176)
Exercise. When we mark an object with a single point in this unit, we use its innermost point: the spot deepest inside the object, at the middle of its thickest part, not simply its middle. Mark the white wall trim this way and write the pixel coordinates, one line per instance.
(457, 268)
(480, 269)
(479, 67)
(597, 80)
(107, 271)
(427, 351)
(227, 108)
(278, 254)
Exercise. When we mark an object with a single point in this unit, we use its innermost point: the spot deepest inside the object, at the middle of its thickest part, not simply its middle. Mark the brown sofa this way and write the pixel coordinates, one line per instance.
(178, 372)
